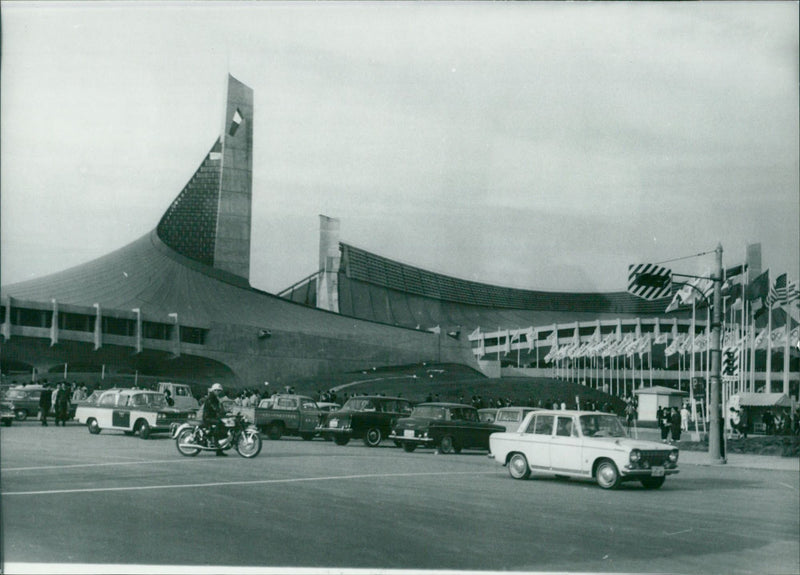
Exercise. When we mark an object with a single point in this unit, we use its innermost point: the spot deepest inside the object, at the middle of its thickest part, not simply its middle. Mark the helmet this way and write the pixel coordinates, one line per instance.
(216, 387)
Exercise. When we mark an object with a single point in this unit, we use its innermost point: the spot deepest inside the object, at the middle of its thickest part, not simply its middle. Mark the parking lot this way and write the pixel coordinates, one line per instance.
(70, 499)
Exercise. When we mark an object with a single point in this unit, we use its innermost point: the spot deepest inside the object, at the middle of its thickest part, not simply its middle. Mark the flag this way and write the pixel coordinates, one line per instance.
(760, 341)
(778, 336)
(735, 271)
(758, 288)
(236, 121)
(676, 345)
(792, 293)
(695, 290)
(777, 292)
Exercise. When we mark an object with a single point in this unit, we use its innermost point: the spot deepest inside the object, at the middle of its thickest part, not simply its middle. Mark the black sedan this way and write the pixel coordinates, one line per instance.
(448, 427)
(367, 417)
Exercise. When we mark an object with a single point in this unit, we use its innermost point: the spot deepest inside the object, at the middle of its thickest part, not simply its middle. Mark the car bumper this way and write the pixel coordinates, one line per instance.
(416, 440)
(638, 473)
(335, 431)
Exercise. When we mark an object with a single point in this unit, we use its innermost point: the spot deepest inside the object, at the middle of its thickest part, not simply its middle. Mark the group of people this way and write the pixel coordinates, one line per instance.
(58, 400)
(670, 423)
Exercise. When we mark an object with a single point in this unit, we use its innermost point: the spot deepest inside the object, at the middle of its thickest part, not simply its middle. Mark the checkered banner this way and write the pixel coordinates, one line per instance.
(649, 281)
(730, 363)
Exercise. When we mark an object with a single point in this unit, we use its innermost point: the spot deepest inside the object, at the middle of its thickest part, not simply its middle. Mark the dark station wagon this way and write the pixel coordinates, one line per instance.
(448, 427)
(367, 417)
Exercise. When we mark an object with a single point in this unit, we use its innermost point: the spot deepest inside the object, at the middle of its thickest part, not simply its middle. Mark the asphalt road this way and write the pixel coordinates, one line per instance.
(72, 498)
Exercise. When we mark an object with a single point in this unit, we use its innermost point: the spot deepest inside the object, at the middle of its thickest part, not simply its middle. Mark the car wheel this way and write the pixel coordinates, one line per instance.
(409, 447)
(144, 430)
(7, 422)
(94, 427)
(21, 415)
(518, 467)
(652, 482)
(373, 437)
(341, 440)
(275, 431)
(447, 445)
(607, 475)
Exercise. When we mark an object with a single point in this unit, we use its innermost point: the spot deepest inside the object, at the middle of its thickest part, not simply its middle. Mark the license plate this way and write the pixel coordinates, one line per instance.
(334, 423)
(658, 472)
(408, 433)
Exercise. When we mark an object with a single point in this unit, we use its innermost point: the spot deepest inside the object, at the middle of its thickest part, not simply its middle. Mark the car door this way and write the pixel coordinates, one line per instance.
(565, 446)
(537, 440)
(121, 416)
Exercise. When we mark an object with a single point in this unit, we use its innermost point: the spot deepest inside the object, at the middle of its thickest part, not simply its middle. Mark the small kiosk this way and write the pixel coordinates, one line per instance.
(651, 398)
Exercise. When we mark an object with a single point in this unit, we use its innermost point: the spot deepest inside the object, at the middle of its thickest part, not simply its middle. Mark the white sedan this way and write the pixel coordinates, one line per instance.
(585, 444)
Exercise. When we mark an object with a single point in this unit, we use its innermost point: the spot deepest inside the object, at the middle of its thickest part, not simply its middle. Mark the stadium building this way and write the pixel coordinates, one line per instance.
(178, 303)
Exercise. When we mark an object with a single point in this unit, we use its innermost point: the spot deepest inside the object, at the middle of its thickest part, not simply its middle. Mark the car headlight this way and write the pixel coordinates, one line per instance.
(673, 456)
(635, 455)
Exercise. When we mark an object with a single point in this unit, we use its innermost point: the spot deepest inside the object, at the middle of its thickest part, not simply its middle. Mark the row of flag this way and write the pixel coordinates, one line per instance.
(760, 293)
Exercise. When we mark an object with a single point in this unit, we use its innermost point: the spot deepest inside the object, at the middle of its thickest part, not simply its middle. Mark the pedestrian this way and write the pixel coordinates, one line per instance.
(675, 424)
(685, 418)
(743, 422)
(663, 423)
(735, 422)
(45, 403)
(62, 404)
(769, 421)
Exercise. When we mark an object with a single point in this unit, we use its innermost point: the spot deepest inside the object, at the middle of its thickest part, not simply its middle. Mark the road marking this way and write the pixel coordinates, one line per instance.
(107, 464)
(234, 483)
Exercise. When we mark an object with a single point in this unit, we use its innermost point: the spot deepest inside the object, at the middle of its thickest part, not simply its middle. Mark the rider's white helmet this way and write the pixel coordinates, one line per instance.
(216, 387)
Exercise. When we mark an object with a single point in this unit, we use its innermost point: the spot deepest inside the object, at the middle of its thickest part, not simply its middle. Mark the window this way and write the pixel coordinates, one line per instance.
(509, 415)
(108, 399)
(564, 428)
(286, 403)
(542, 425)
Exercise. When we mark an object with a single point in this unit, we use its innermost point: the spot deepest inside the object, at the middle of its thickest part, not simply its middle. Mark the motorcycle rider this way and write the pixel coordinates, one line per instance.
(212, 417)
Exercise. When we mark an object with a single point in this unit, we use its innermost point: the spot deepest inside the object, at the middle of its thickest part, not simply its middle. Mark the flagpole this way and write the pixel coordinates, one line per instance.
(786, 355)
(753, 350)
(691, 362)
(769, 348)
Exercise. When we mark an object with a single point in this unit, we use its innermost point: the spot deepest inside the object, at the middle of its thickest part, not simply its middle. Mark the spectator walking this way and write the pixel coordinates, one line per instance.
(675, 424)
(45, 403)
(663, 423)
(743, 422)
(685, 418)
(62, 404)
(735, 421)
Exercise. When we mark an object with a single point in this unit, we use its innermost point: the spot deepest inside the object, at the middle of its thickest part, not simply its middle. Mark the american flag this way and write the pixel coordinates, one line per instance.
(782, 292)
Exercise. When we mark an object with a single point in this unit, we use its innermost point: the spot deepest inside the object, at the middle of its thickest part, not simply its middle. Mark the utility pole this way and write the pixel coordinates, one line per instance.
(716, 448)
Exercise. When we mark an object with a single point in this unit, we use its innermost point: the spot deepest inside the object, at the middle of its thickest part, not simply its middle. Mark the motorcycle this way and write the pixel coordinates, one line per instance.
(192, 438)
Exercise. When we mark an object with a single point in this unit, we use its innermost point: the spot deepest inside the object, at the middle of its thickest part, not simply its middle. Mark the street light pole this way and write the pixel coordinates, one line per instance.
(716, 449)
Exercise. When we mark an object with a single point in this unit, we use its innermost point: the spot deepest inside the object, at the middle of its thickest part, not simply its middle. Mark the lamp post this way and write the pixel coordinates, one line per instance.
(716, 448)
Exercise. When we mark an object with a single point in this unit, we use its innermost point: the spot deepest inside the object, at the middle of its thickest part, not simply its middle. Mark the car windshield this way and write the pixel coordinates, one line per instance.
(147, 399)
(600, 425)
(429, 412)
(359, 404)
(509, 415)
(395, 406)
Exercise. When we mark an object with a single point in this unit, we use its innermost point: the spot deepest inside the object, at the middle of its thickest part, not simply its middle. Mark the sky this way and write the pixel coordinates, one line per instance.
(531, 145)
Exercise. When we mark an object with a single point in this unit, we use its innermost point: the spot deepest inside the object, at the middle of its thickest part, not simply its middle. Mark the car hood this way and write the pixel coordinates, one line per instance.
(413, 422)
(630, 443)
